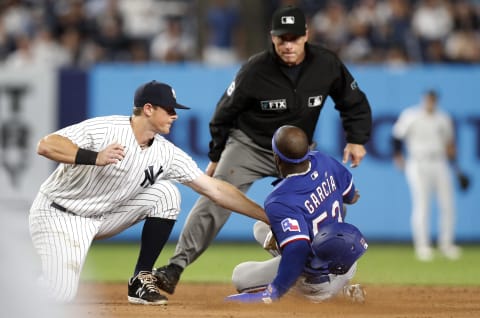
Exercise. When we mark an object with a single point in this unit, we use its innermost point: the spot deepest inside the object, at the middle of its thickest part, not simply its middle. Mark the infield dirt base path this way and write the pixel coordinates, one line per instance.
(206, 300)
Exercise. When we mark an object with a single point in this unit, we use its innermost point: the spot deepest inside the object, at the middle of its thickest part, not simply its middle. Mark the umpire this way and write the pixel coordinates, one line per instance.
(286, 84)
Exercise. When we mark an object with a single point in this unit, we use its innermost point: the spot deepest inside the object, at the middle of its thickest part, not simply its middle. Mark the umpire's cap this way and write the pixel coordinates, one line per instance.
(288, 20)
(337, 246)
(157, 94)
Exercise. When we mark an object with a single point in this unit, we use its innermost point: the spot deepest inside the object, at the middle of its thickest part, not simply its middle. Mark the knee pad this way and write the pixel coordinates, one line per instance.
(260, 231)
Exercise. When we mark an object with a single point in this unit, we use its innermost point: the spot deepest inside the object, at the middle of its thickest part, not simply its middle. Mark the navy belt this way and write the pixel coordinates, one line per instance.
(58, 207)
(317, 279)
(61, 208)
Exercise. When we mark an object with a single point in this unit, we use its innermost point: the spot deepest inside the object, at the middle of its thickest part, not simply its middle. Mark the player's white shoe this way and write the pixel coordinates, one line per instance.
(424, 254)
(355, 293)
(451, 252)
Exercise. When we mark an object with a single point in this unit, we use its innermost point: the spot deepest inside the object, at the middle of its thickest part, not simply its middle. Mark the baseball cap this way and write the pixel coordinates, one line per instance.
(157, 94)
(288, 20)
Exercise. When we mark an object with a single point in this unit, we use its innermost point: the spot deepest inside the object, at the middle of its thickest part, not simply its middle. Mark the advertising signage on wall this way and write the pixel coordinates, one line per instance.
(27, 113)
(385, 199)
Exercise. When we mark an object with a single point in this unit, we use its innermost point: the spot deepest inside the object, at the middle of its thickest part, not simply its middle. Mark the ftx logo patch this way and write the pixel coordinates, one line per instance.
(273, 104)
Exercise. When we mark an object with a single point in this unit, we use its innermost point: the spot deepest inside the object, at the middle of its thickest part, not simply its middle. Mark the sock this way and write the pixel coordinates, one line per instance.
(155, 234)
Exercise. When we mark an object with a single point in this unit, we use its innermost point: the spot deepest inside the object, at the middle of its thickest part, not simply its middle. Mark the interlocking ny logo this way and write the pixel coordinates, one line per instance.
(150, 177)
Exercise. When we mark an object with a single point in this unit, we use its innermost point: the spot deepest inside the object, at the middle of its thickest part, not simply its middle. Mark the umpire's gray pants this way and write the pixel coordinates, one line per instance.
(242, 162)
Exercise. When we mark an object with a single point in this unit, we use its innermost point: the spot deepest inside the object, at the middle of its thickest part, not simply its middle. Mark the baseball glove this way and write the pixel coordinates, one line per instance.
(463, 181)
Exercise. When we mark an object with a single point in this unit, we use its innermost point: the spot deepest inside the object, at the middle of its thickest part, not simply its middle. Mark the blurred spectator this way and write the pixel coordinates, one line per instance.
(463, 44)
(434, 52)
(16, 17)
(71, 14)
(358, 48)
(432, 21)
(224, 33)
(72, 41)
(110, 38)
(6, 42)
(394, 34)
(138, 51)
(173, 44)
(330, 26)
(361, 31)
(46, 51)
(142, 18)
(396, 57)
(22, 56)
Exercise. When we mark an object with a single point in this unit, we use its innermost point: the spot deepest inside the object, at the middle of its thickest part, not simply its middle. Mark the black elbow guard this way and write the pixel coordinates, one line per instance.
(397, 145)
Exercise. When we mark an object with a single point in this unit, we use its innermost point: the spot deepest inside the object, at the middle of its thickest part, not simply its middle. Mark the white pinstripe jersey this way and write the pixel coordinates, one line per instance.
(426, 135)
(89, 190)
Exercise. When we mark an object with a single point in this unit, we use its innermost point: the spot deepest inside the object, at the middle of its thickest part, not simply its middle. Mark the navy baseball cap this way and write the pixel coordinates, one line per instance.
(288, 20)
(157, 94)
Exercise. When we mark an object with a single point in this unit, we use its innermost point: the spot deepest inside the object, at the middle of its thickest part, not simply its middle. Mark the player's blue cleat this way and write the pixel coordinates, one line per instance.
(267, 296)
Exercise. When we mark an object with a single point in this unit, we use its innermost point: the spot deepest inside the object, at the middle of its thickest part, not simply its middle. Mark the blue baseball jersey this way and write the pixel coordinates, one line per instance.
(300, 204)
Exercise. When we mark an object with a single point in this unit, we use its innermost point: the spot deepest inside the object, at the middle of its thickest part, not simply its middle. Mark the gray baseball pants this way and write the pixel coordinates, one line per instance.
(242, 163)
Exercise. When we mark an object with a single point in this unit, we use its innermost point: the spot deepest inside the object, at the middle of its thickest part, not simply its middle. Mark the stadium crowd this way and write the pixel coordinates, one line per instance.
(79, 33)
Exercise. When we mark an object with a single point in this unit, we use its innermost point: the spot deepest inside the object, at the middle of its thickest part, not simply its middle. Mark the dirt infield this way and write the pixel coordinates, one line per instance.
(206, 300)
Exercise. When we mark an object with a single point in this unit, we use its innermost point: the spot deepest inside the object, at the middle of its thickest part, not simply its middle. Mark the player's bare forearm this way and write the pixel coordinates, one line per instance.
(57, 148)
(212, 166)
(62, 149)
(227, 196)
(236, 200)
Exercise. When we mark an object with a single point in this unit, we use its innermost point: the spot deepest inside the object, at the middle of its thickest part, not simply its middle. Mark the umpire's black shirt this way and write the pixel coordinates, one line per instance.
(266, 94)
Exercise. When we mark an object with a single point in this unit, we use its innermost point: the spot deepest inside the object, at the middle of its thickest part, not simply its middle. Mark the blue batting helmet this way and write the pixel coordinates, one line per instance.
(337, 246)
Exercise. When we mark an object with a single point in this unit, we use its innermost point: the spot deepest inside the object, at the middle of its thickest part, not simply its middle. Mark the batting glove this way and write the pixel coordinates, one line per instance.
(267, 296)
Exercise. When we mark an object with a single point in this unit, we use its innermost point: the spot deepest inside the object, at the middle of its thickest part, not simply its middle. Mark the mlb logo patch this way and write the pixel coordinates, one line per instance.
(231, 88)
(288, 20)
(364, 243)
(291, 225)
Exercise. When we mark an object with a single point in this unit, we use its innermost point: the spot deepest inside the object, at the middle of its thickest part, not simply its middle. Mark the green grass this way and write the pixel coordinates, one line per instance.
(382, 264)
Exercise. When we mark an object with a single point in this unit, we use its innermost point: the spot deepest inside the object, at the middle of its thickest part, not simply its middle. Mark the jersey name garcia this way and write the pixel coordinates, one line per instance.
(316, 200)
(322, 191)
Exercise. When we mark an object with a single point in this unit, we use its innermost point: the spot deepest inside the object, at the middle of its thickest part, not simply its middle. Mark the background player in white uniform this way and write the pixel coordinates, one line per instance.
(305, 209)
(115, 171)
(428, 135)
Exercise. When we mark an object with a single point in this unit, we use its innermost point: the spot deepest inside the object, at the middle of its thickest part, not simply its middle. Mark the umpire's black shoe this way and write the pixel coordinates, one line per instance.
(142, 289)
(167, 277)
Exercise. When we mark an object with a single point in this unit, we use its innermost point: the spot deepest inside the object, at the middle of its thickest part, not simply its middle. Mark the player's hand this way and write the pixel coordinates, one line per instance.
(212, 166)
(355, 198)
(355, 153)
(111, 155)
(270, 244)
(267, 296)
(399, 161)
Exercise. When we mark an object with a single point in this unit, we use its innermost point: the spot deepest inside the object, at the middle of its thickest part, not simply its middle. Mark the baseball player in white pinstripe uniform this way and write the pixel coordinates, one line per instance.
(115, 171)
(428, 135)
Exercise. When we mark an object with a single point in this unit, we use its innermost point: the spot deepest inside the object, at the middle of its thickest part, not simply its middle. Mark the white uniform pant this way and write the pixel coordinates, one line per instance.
(62, 239)
(425, 179)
